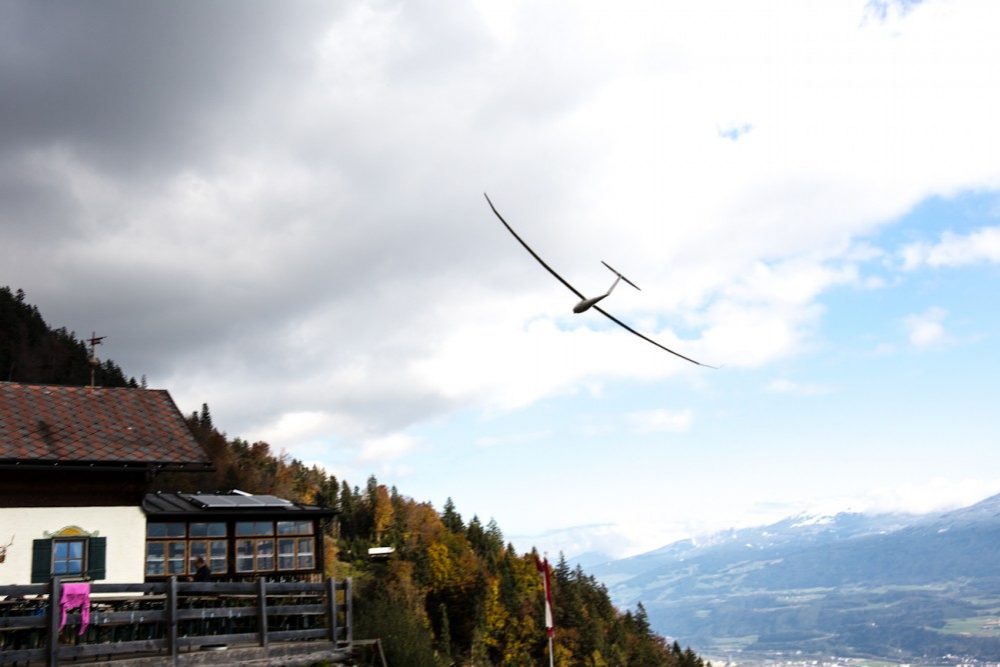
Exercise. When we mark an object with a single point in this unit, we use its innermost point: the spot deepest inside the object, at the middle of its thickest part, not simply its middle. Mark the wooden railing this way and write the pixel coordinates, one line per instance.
(170, 617)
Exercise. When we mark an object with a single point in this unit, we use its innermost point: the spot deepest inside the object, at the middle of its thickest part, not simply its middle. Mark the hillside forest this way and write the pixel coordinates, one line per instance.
(452, 593)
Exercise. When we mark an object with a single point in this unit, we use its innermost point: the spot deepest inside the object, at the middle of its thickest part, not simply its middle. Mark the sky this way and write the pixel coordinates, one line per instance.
(277, 209)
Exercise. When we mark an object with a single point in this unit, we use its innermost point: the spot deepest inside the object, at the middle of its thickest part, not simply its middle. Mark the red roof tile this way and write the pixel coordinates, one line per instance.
(47, 423)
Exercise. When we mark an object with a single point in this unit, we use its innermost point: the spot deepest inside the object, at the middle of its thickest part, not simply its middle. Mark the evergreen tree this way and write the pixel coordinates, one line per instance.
(451, 518)
(33, 353)
(205, 419)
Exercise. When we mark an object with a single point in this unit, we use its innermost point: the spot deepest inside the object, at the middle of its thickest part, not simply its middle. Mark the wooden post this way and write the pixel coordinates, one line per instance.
(262, 610)
(331, 607)
(349, 601)
(172, 619)
(55, 608)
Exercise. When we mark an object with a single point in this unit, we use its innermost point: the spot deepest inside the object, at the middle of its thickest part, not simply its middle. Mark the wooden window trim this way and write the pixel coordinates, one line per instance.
(210, 560)
(256, 556)
(297, 553)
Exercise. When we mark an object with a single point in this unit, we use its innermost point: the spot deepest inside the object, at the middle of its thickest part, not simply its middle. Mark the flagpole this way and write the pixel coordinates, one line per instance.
(547, 587)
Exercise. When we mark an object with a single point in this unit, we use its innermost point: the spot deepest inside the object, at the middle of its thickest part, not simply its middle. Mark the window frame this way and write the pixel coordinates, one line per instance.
(217, 564)
(255, 554)
(297, 553)
(215, 532)
(84, 543)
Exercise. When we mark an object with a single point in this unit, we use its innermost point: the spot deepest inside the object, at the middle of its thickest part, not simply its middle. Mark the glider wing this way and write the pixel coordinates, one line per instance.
(579, 294)
(647, 338)
(533, 253)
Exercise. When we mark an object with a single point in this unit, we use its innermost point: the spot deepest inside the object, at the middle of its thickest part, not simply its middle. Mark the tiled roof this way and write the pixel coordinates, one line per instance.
(44, 423)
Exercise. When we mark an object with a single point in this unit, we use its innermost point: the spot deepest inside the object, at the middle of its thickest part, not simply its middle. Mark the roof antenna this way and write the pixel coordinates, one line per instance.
(94, 341)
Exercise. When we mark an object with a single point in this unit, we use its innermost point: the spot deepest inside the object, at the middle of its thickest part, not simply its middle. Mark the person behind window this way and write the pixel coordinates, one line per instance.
(202, 571)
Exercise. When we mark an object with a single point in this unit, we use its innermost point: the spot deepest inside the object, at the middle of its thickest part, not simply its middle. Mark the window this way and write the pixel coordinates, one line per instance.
(68, 557)
(265, 554)
(286, 554)
(176, 561)
(172, 547)
(155, 558)
(296, 553)
(245, 528)
(213, 551)
(216, 529)
(244, 555)
(165, 529)
(254, 555)
(241, 547)
(306, 557)
(295, 527)
(76, 557)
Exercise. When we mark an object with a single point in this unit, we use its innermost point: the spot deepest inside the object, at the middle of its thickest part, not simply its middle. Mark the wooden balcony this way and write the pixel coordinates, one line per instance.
(176, 622)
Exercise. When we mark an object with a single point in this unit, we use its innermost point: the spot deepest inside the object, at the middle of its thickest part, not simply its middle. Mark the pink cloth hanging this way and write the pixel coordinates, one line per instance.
(73, 596)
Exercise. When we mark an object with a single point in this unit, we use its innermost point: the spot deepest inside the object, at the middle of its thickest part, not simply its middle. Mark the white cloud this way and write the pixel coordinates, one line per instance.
(297, 426)
(623, 539)
(387, 448)
(919, 497)
(753, 335)
(786, 386)
(927, 328)
(614, 540)
(798, 281)
(662, 421)
(506, 365)
(982, 245)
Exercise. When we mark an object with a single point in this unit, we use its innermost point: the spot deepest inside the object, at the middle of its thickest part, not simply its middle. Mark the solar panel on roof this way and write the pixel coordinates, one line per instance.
(208, 500)
(212, 501)
(272, 501)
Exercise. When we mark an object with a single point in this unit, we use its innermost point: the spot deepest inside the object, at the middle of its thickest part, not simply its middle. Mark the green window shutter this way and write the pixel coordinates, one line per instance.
(41, 561)
(96, 556)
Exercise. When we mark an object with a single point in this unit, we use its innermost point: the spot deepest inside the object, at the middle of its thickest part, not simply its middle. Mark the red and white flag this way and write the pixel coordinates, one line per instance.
(546, 571)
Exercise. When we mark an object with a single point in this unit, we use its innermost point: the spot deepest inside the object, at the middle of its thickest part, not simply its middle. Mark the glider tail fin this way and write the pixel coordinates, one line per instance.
(617, 273)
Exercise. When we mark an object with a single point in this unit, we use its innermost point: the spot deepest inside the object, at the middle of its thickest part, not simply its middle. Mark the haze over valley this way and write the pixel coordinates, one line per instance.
(900, 587)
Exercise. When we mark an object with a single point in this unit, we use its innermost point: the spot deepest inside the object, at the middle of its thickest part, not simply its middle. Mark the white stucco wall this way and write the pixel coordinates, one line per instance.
(124, 528)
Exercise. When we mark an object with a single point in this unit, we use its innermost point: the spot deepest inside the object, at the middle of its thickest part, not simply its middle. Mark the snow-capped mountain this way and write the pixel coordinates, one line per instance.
(891, 585)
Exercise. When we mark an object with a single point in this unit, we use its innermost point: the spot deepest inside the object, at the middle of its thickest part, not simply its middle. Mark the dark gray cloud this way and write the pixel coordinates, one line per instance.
(137, 86)
(278, 206)
(33, 208)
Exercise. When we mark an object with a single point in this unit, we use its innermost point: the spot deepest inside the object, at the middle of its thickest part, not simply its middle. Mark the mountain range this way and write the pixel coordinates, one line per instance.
(907, 588)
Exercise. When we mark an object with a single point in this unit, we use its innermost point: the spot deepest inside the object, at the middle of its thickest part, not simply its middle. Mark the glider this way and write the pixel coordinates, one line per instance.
(585, 303)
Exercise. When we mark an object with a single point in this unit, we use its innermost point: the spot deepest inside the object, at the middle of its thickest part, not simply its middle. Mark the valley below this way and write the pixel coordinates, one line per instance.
(910, 589)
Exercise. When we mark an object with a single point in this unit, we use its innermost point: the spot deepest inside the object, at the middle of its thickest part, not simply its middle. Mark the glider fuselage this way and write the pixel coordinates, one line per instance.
(587, 303)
